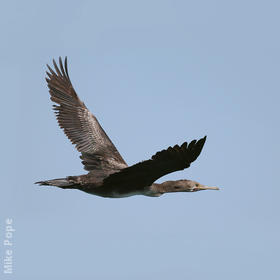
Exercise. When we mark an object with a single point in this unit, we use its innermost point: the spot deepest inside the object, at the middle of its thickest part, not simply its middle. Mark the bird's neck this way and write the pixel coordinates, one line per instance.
(159, 189)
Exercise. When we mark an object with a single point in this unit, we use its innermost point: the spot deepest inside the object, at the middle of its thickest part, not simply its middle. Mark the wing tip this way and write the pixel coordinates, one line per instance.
(58, 70)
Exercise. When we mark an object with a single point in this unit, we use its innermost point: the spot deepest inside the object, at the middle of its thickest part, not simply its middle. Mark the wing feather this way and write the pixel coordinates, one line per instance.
(79, 125)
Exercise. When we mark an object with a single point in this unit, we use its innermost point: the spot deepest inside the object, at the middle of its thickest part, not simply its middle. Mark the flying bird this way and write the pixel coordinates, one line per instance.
(108, 174)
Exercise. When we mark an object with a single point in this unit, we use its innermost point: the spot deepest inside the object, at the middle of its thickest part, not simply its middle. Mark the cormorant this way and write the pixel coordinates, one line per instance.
(109, 175)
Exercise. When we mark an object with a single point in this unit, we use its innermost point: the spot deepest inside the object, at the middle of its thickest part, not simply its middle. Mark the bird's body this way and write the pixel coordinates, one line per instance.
(109, 175)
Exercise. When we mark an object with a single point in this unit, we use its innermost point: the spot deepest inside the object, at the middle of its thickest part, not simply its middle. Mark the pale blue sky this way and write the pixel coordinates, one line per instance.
(155, 73)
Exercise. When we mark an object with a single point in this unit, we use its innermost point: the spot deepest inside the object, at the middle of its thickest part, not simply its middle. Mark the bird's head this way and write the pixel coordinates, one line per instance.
(184, 186)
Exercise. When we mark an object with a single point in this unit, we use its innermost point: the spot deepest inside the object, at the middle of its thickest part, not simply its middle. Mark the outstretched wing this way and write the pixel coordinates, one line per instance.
(164, 162)
(80, 126)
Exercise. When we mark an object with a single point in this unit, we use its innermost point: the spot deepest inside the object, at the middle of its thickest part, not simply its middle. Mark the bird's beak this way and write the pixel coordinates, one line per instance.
(207, 188)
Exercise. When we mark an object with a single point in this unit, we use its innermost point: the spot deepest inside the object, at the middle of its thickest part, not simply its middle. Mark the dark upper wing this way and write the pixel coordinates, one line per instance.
(166, 161)
(80, 126)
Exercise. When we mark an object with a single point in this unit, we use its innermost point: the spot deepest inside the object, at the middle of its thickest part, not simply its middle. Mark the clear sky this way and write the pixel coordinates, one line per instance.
(155, 73)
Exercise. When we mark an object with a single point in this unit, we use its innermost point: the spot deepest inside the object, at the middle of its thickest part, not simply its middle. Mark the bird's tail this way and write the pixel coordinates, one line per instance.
(63, 183)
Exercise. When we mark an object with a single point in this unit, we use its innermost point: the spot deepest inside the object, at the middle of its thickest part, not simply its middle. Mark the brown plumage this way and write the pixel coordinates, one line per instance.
(109, 175)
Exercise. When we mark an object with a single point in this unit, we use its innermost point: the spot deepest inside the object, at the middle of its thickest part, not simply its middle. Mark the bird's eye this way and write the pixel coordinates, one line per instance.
(196, 185)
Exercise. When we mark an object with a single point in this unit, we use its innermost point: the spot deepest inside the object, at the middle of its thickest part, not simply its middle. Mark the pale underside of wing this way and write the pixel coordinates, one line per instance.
(162, 163)
(80, 126)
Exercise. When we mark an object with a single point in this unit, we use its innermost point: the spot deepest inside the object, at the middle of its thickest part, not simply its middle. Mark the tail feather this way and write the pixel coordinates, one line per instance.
(61, 183)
